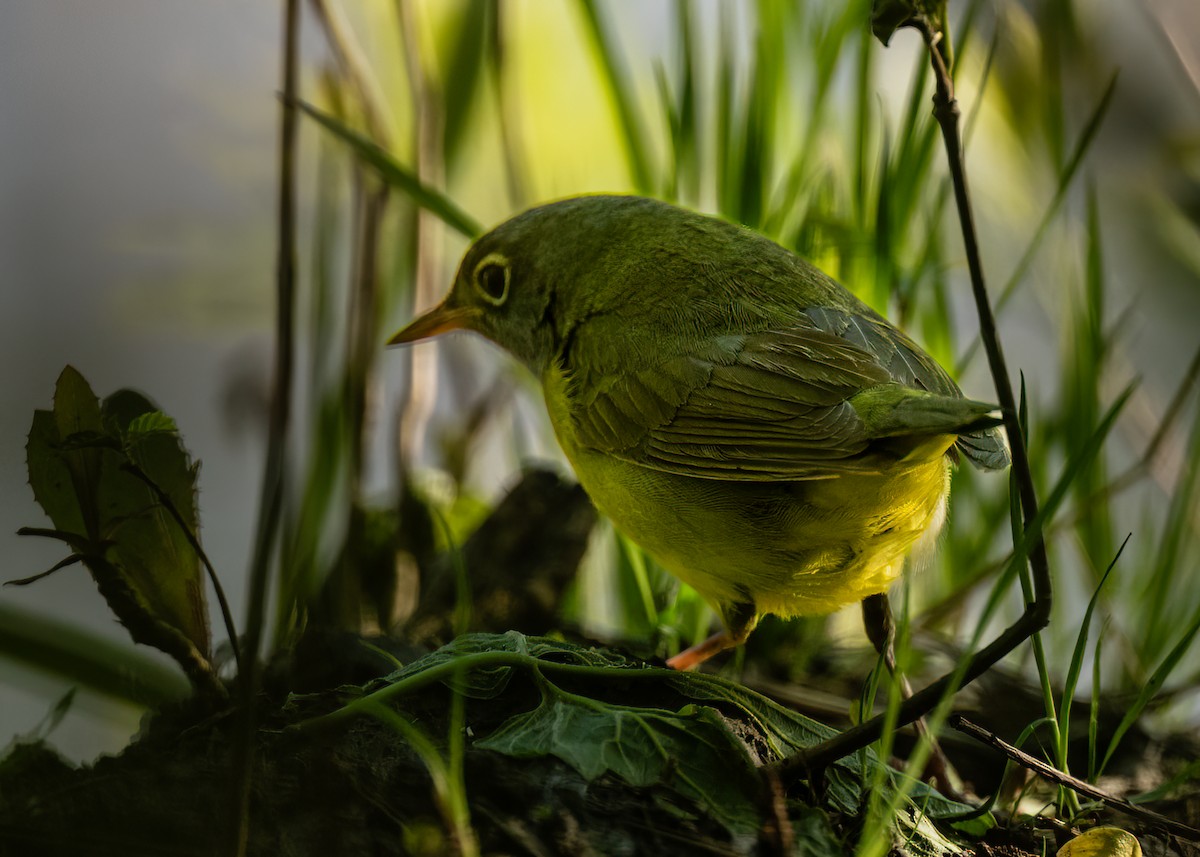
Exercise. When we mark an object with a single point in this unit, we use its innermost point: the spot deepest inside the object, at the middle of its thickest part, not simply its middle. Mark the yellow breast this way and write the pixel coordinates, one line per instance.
(790, 548)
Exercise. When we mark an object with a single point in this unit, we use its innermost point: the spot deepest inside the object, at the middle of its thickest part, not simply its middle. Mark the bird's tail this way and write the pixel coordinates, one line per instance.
(896, 411)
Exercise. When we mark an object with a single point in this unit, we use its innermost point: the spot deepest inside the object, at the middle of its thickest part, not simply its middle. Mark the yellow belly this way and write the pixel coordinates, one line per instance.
(788, 548)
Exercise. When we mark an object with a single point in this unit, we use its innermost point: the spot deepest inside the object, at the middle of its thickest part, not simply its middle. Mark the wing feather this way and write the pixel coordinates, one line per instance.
(771, 405)
(908, 364)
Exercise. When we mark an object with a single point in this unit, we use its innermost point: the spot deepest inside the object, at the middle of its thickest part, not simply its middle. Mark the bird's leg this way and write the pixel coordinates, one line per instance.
(701, 652)
(739, 619)
(881, 630)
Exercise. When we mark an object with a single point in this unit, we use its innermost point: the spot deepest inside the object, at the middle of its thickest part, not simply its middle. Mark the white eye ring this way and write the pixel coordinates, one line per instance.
(488, 291)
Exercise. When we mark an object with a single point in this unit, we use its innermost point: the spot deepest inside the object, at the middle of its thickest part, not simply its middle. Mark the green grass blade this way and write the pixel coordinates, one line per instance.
(469, 56)
(643, 592)
(1085, 370)
(1068, 801)
(1065, 177)
(65, 650)
(1173, 539)
(621, 90)
(1082, 458)
(864, 100)
(1094, 711)
(1076, 667)
(728, 146)
(688, 169)
(397, 175)
(1150, 688)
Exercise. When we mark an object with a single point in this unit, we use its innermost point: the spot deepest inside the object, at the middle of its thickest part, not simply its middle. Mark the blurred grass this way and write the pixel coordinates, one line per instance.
(88, 659)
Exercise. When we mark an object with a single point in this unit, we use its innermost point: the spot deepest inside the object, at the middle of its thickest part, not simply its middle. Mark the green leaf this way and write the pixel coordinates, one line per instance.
(700, 737)
(49, 475)
(491, 682)
(77, 413)
(151, 549)
(691, 749)
(76, 408)
(123, 408)
(155, 422)
(89, 466)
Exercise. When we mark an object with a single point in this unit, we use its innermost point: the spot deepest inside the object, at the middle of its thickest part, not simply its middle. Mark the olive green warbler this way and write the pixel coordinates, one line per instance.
(770, 439)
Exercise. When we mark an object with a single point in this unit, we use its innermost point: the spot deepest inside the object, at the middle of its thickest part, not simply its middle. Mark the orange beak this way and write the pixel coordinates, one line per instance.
(440, 319)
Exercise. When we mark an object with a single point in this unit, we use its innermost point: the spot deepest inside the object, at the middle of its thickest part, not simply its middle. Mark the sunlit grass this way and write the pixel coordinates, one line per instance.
(770, 116)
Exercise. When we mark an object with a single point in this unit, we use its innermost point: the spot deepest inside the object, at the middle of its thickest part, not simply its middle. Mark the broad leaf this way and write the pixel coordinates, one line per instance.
(693, 750)
(697, 736)
(112, 479)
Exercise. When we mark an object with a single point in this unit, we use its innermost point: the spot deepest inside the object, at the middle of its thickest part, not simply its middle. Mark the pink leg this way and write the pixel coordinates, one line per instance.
(740, 618)
(701, 652)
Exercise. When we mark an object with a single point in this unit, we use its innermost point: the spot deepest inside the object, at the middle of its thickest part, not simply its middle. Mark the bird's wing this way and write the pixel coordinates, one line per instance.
(768, 405)
(909, 365)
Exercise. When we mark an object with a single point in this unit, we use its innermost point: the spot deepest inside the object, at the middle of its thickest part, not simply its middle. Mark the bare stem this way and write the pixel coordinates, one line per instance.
(272, 488)
(1037, 612)
(1048, 772)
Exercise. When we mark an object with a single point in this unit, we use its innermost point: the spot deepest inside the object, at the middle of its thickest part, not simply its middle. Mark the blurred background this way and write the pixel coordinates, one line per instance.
(138, 156)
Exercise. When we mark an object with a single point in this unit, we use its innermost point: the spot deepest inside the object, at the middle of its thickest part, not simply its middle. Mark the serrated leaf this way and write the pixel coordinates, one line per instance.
(152, 548)
(128, 412)
(142, 560)
(155, 422)
(914, 834)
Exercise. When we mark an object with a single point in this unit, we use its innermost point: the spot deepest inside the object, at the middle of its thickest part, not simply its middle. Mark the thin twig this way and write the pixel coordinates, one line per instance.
(271, 501)
(189, 534)
(1049, 772)
(58, 566)
(777, 831)
(1037, 612)
(422, 365)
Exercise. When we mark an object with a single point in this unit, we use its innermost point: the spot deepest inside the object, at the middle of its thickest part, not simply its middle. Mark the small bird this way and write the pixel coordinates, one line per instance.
(770, 439)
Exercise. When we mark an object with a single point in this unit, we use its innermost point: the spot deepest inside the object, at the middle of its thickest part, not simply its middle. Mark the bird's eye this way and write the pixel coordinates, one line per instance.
(491, 278)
